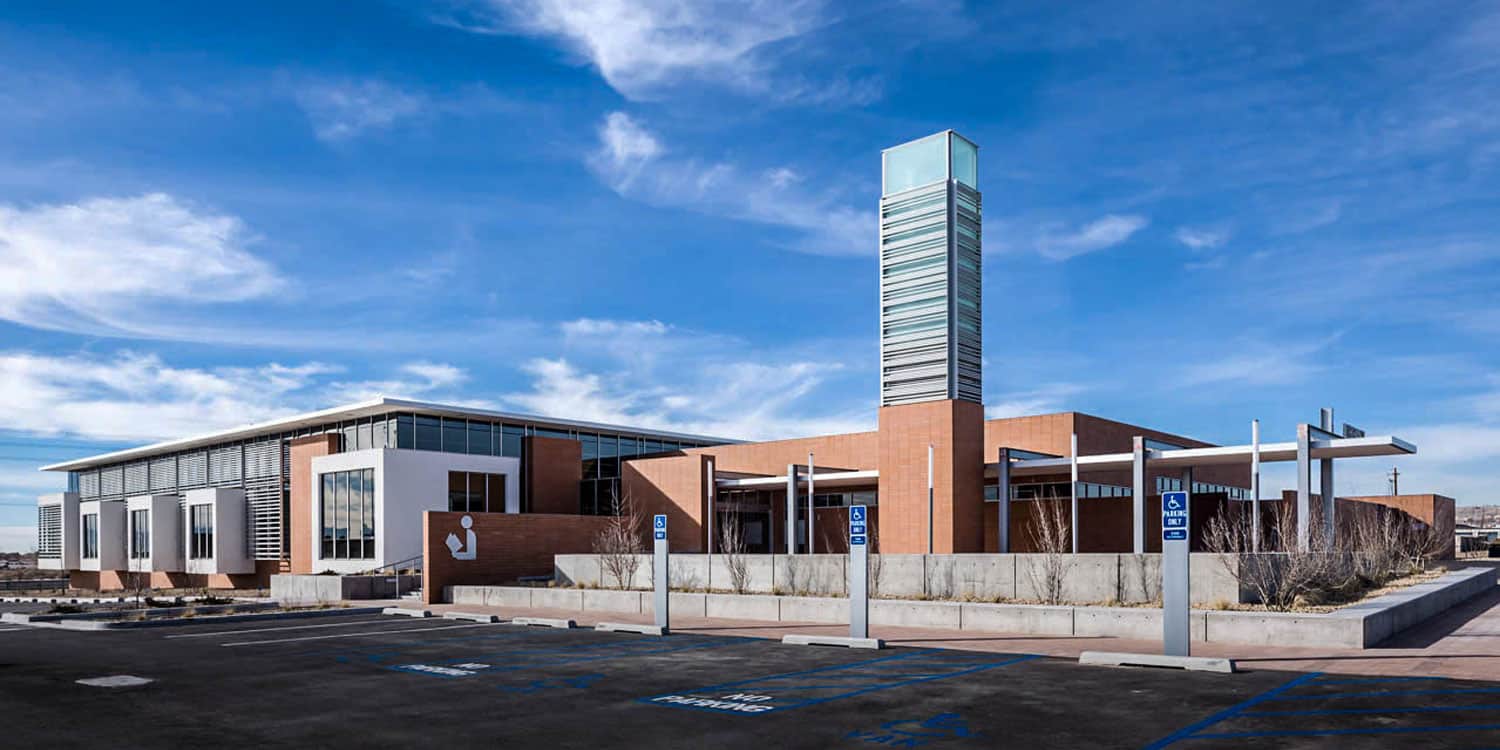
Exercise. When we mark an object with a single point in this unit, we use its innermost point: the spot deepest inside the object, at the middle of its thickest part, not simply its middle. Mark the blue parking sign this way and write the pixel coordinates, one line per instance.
(660, 521)
(857, 514)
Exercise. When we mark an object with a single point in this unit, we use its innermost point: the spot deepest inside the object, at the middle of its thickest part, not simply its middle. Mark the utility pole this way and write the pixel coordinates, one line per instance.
(1395, 481)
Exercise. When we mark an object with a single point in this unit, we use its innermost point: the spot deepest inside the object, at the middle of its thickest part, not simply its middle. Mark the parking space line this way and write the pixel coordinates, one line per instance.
(1383, 693)
(12, 630)
(1191, 730)
(518, 660)
(350, 623)
(358, 635)
(758, 695)
(1409, 710)
(1338, 732)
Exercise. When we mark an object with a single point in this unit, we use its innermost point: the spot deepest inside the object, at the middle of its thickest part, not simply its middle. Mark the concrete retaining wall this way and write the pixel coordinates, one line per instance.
(1358, 626)
(1089, 578)
(316, 589)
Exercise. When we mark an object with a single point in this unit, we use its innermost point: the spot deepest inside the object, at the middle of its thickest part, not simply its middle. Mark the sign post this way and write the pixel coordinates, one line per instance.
(661, 580)
(1175, 589)
(859, 573)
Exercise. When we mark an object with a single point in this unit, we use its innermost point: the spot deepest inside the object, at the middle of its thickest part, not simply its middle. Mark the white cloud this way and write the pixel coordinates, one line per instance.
(17, 538)
(1201, 239)
(130, 396)
(661, 377)
(1061, 243)
(1256, 363)
(1044, 400)
(93, 266)
(633, 162)
(341, 110)
(642, 48)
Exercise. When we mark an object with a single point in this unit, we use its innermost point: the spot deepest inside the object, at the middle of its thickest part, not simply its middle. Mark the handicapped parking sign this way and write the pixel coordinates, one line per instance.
(857, 514)
(1174, 516)
(659, 523)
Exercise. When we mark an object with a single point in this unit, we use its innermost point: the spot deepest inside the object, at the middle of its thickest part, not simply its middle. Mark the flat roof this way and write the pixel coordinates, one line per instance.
(379, 405)
(1361, 447)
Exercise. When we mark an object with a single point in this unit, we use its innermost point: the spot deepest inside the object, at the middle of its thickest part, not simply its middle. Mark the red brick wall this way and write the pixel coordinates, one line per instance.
(554, 467)
(509, 546)
(676, 486)
(955, 429)
(299, 526)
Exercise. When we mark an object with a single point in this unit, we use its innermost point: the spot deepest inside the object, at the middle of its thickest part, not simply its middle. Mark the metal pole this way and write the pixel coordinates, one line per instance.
(1255, 485)
(1003, 511)
(1325, 479)
(1138, 495)
(661, 579)
(1176, 589)
(791, 509)
(1304, 485)
(811, 511)
(929, 498)
(859, 573)
(1074, 493)
(713, 518)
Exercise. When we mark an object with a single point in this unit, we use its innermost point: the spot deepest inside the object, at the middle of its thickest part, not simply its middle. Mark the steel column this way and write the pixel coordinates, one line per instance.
(1255, 485)
(1304, 484)
(1138, 495)
(1003, 509)
(1325, 479)
(1074, 526)
(791, 509)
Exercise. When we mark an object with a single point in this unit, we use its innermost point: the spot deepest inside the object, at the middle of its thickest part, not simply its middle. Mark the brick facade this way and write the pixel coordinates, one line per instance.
(508, 546)
(554, 467)
(299, 525)
(955, 430)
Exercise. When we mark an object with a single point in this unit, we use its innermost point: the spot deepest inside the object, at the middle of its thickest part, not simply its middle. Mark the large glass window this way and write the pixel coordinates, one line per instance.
(965, 162)
(90, 536)
(455, 436)
(328, 497)
(140, 534)
(479, 438)
(348, 521)
(917, 163)
(512, 441)
(476, 492)
(406, 436)
(201, 521)
(429, 434)
(609, 462)
(590, 452)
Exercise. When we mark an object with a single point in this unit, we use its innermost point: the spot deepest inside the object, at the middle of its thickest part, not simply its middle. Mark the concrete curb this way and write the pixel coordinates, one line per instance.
(405, 612)
(97, 625)
(625, 627)
(1189, 663)
(832, 640)
(544, 622)
(470, 617)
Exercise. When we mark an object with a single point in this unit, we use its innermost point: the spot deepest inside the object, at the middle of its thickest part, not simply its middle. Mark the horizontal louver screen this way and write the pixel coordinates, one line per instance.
(49, 532)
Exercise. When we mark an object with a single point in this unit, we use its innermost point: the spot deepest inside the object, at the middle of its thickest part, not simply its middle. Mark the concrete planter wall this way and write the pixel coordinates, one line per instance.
(1359, 626)
(1090, 578)
(316, 589)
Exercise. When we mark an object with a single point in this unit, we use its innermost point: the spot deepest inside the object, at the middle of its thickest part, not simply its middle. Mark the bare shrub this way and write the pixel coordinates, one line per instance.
(1283, 580)
(1053, 541)
(732, 551)
(619, 544)
(875, 559)
(684, 577)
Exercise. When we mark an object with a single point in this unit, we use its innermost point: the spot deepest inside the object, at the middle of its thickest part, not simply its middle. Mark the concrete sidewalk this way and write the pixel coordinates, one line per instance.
(1463, 643)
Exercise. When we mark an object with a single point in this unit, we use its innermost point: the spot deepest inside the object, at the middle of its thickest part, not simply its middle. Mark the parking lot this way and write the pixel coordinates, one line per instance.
(369, 680)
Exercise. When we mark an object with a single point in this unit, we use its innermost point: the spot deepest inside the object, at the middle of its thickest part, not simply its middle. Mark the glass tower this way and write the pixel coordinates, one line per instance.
(930, 271)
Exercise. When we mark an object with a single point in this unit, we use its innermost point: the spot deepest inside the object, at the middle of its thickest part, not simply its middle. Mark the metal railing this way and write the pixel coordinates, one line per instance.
(411, 563)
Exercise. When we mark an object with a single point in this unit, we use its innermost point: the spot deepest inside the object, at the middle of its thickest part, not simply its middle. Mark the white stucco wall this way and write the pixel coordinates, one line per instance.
(69, 558)
(111, 535)
(407, 482)
(230, 553)
(166, 551)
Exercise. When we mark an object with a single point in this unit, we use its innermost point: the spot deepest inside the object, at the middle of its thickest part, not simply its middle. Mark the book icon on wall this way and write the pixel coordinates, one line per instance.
(462, 550)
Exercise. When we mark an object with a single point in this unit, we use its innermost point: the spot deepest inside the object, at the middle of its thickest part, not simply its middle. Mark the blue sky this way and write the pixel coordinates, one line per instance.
(662, 213)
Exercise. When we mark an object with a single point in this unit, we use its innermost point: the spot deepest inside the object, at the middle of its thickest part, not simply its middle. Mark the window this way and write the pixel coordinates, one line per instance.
(348, 517)
(510, 444)
(140, 534)
(201, 521)
(917, 163)
(429, 434)
(91, 536)
(476, 492)
(455, 436)
(405, 434)
(479, 438)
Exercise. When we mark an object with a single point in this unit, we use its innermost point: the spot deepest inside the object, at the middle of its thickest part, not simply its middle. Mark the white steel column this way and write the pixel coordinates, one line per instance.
(1304, 485)
(1138, 496)
(791, 509)
(1003, 509)
(929, 498)
(1255, 485)
(713, 518)
(811, 511)
(1074, 493)
(1325, 478)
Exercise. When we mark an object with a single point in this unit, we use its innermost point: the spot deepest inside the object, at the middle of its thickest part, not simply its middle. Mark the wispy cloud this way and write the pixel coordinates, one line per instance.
(1048, 398)
(691, 382)
(1197, 238)
(635, 163)
(97, 265)
(342, 110)
(1258, 363)
(1059, 242)
(643, 48)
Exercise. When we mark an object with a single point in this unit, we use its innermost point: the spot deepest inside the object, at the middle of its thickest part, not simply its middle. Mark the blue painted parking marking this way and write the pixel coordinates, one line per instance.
(1307, 689)
(782, 692)
(515, 660)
